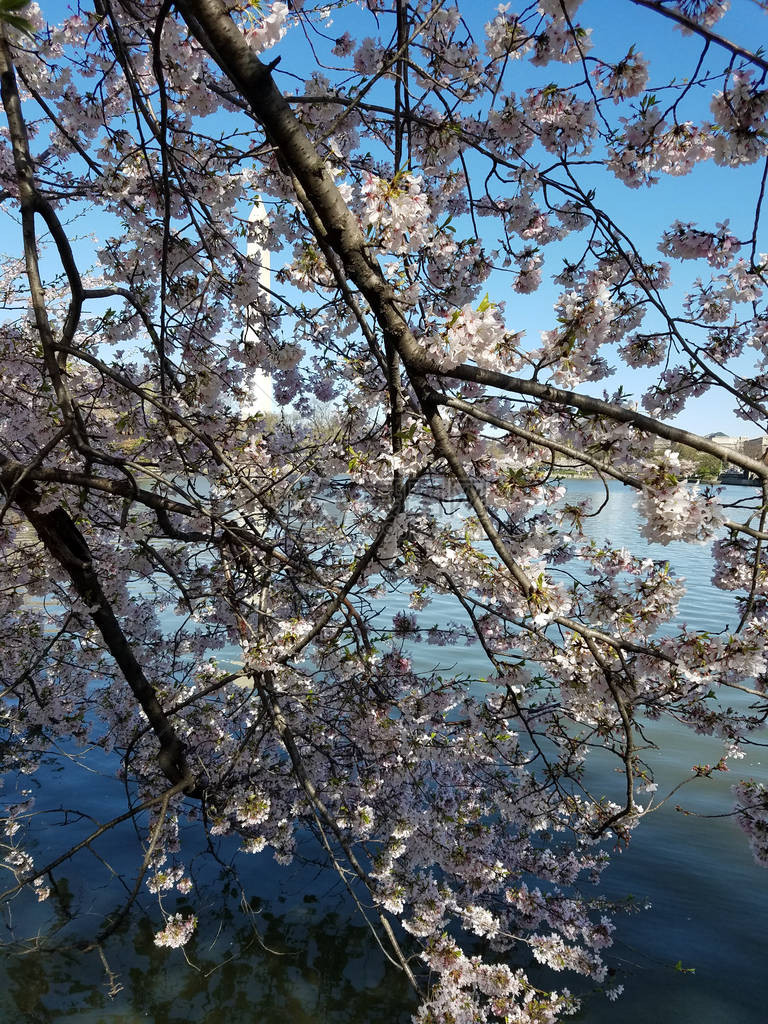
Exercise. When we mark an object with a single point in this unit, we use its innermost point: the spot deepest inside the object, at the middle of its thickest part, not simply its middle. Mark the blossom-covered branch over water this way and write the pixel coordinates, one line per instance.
(459, 267)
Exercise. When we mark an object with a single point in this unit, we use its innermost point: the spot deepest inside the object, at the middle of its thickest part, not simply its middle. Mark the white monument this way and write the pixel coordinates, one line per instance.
(258, 383)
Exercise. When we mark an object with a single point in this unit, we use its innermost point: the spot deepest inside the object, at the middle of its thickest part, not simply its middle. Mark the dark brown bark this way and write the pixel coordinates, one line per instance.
(66, 545)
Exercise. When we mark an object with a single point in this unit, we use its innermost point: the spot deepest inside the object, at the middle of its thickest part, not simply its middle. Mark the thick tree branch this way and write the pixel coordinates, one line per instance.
(598, 407)
(67, 546)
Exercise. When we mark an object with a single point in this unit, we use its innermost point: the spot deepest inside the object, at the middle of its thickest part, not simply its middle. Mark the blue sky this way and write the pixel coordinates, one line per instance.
(706, 196)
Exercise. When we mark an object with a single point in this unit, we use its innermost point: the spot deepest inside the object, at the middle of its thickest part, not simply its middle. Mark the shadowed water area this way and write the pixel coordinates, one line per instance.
(285, 944)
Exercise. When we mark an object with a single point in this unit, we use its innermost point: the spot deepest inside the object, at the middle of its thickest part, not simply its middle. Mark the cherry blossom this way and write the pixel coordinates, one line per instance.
(237, 610)
(177, 932)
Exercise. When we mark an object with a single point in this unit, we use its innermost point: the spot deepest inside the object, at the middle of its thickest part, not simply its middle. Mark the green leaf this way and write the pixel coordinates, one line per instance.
(684, 970)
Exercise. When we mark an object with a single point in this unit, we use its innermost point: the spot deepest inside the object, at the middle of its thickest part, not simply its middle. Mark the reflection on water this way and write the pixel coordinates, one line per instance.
(301, 954)
(340, 982)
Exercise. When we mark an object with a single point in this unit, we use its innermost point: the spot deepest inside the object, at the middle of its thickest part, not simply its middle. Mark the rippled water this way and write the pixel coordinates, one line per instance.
(709, 900)
(697, 956)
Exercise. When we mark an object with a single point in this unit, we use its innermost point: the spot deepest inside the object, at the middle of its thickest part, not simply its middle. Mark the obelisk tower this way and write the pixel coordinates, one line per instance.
(258, 383)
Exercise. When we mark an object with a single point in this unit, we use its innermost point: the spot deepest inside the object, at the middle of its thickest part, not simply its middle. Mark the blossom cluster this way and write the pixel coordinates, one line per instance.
(674, 510)
(257, 608)
(752, 816)
(177, 932)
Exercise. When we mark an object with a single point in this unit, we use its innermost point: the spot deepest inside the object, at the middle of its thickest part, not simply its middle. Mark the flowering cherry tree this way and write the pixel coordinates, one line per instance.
(424, 171)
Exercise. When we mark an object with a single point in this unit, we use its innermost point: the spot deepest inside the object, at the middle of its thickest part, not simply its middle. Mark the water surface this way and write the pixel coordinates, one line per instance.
(299, 953)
